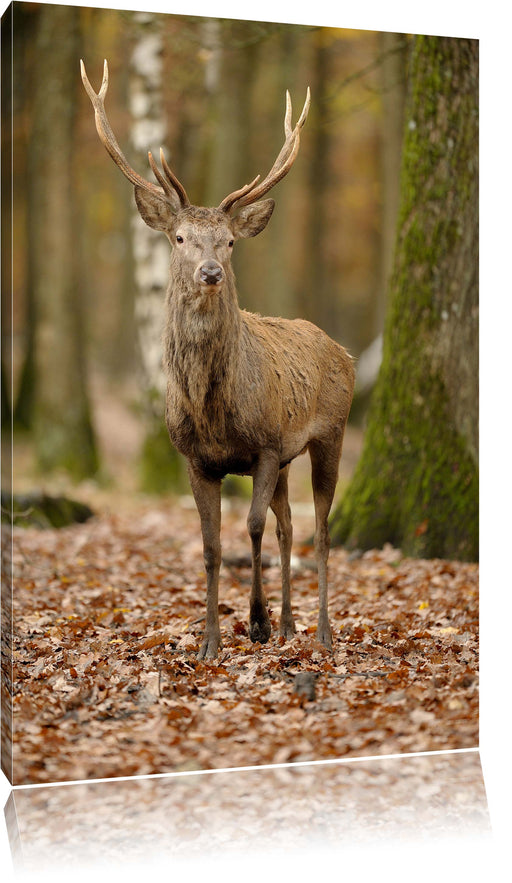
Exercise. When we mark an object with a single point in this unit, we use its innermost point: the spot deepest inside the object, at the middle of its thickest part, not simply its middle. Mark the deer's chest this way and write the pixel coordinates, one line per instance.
(215, 450)
(216, 437)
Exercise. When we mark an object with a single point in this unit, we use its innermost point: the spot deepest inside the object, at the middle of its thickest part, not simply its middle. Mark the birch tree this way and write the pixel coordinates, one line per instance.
(161, 465)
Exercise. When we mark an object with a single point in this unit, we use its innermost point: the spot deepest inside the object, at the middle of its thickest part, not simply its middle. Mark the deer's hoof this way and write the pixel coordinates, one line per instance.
(287, 627)
(260, 631)
(210, 647)
(324, 635)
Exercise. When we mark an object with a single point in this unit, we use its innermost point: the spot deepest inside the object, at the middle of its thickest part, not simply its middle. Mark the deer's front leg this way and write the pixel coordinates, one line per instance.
(264, 484)
(284, 531)
(207, 497)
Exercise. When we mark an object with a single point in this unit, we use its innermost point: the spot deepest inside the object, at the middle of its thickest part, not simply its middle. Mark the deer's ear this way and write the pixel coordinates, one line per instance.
(253, 219)
(155, 211)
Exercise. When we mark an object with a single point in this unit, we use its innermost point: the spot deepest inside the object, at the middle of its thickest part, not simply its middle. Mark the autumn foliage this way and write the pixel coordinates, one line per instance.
(108, 620)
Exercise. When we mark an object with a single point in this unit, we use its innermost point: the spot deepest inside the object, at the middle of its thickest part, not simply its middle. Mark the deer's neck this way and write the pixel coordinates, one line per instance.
(202, 343)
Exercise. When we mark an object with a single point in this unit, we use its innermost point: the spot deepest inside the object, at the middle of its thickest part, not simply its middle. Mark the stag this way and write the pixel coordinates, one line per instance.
(246, 394)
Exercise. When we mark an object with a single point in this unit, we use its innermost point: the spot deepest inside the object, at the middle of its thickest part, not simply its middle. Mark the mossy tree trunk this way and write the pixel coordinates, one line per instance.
(416, 484)
(62, 424)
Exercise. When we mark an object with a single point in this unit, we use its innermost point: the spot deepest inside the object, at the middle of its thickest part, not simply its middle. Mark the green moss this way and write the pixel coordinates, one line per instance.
(416, 485)
(43, 511)
(237, 486)
(66, 445)
(162, 468)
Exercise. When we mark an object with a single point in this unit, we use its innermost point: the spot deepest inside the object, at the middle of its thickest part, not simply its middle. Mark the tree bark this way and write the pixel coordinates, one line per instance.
(393, 83)
(317, 303)
(62, 425)
(230, 155)
(416, 485)
(151, 252)
(161, 466)
(6, 228)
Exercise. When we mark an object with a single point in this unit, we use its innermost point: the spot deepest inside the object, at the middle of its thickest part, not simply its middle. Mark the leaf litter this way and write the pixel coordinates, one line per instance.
(108, 618)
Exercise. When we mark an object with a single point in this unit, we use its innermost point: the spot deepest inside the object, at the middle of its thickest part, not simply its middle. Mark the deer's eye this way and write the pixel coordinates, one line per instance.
(231, 243)
(179, 238)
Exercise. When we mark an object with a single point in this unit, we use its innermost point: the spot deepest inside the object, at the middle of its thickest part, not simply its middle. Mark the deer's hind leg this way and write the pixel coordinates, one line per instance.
(325, 458)
(281, 509)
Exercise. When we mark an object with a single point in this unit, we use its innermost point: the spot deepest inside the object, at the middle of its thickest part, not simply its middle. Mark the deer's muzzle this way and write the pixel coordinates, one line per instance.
(210, 273)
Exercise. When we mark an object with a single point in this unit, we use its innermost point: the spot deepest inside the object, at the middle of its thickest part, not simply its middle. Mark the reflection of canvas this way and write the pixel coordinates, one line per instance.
(324, 810)
(104, 678)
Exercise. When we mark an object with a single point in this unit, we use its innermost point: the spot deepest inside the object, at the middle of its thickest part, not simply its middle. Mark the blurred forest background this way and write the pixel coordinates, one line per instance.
(389, 155)
(89, 278)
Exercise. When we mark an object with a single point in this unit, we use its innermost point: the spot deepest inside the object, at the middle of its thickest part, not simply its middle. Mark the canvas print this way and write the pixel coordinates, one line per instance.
(239, 393)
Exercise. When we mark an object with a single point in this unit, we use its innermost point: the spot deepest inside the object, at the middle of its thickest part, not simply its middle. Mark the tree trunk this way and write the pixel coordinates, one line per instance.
(416, 485)
(230, 155)
(6, 229)
(393, 48)
(229, 159)
(18, 275)
(151, 252)
(62, 425)
(161, 465)
(316, 301)
(273, 257)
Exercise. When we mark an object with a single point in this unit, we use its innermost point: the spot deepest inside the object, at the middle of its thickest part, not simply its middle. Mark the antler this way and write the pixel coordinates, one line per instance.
(170, 186)
(285, 159)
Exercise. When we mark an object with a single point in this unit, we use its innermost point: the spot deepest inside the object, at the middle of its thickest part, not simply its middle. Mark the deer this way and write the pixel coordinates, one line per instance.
(246, 394)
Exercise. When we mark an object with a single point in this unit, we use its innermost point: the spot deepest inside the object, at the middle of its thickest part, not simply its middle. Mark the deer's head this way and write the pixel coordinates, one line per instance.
(202, 238)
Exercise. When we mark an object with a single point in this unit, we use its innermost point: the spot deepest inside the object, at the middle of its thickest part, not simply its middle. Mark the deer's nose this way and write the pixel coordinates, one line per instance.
(210, 273)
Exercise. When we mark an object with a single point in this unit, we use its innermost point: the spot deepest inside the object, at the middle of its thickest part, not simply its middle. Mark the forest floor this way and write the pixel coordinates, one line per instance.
(108, 619)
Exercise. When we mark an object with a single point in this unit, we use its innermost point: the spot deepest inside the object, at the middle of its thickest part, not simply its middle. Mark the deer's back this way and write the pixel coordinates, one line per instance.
(302, 364)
